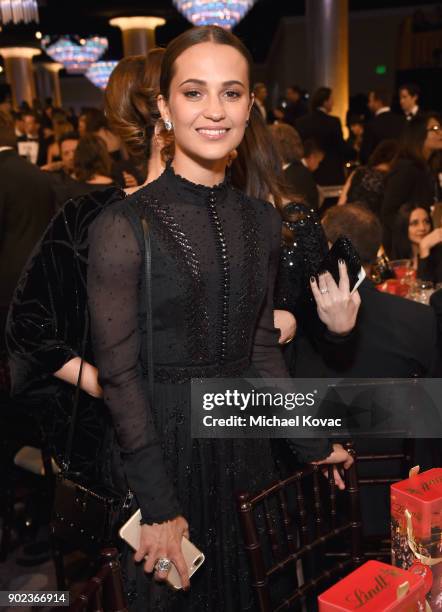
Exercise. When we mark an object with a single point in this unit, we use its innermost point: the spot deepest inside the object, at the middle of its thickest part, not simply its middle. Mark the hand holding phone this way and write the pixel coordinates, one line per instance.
(193, 558)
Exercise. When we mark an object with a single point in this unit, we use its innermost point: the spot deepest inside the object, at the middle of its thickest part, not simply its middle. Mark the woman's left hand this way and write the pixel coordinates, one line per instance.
(337, 308)
(286, 323)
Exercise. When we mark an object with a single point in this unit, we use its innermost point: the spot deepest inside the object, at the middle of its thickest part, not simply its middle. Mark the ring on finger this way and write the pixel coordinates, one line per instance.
(323, 290)
(163, 564)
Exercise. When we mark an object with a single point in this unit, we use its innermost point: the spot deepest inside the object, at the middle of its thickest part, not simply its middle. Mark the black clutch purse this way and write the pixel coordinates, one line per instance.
(89, 514)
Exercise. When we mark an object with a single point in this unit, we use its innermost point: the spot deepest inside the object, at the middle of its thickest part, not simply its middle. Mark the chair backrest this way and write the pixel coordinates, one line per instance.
(293, 521)
(104, 592)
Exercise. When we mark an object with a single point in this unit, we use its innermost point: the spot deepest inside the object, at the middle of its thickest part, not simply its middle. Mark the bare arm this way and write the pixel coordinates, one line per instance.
(89, 376)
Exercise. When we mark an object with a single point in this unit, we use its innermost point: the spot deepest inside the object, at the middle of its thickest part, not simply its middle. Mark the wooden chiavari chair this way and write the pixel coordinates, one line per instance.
(104, 592)
(277, 546)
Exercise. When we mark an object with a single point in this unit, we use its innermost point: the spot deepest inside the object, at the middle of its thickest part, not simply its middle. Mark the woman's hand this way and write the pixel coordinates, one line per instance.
(163, 541)
(286, 323)
(337, 308)
(429, 241)
(339, 455)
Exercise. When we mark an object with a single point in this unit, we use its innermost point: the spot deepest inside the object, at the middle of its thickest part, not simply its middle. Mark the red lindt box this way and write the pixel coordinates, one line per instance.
(376, 587)
(419, 496)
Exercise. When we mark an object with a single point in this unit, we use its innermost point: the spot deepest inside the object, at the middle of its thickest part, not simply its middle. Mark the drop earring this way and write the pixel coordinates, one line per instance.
(168, 124)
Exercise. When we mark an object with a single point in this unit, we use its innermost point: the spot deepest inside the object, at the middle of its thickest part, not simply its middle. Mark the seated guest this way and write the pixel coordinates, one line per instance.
(415, 238)
(297, 174)
(91, 170)
(60, 127)
(412, 179)
(384, 125)
(367, 183)
(65, 166)
(394, 337)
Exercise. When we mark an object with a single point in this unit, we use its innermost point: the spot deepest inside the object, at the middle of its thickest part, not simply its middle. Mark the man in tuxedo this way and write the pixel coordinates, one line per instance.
(26, 207)
(384, 125)
(32, 144)
(409, 94)
(319, 125)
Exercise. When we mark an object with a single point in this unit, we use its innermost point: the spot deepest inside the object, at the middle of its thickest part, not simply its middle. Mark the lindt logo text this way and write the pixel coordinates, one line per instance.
(360, 598)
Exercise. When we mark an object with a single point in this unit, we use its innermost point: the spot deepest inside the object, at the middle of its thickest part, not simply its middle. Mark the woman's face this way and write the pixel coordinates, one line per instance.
(209, 101)
(433, 141)
(418, 225)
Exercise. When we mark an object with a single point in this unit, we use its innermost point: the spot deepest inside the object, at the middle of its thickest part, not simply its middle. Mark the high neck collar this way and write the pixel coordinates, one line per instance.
(194, 189)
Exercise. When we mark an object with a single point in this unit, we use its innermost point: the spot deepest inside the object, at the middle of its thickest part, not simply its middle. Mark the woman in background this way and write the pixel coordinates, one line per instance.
(412, 178)
(415, 238)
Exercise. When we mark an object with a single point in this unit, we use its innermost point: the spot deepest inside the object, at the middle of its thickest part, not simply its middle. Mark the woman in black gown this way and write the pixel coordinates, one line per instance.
(215, 255)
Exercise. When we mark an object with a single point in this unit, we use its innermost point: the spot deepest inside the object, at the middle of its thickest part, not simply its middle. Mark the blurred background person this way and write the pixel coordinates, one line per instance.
(261, 94)
(412, 179)
(326, 130)
(415, 238)
(409, 94)
(295, 106)
(60, 127)
(32, 144)
(384, 124)
(124, 169)
(297, 173)
(91, 169)
(354, 140)
(367, 183)
(19, 125)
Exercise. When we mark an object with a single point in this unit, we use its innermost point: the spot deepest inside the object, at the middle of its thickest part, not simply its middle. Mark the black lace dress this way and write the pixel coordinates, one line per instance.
(214, 259)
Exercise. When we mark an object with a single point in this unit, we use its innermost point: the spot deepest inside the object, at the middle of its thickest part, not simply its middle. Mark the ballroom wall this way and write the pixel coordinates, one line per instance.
(373, 42)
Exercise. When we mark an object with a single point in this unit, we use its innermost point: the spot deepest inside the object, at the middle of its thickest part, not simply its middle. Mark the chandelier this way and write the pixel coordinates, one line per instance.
(224, 13)
(99, 73)
(16, 11)
(76, 54)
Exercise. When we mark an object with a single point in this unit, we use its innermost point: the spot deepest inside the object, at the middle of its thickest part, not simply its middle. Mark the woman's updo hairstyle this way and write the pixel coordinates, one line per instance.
(193, 37)
(130, 101)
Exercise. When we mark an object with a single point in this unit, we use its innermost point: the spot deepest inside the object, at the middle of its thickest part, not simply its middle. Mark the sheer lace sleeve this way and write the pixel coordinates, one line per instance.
(113, 296)
(266, 354)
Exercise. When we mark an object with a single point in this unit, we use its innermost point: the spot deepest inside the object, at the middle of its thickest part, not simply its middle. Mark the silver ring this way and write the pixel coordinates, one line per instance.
(163, 565)
(323, 291)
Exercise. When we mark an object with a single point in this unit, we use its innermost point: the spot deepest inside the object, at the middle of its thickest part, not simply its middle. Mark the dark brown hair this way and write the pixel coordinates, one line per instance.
(386, 152)
(359, 224)
(130, 101)
(7, 133)
(401, 245)
(94, 119)
(413, 138)
(288, 142)
(193, 37)
(91, 158)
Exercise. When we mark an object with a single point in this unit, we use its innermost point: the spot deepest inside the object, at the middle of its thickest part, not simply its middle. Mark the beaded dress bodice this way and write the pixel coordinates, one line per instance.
(215, 254)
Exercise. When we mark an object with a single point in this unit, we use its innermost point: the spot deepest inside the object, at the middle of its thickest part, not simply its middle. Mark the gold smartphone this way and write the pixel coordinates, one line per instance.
(194, 558)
